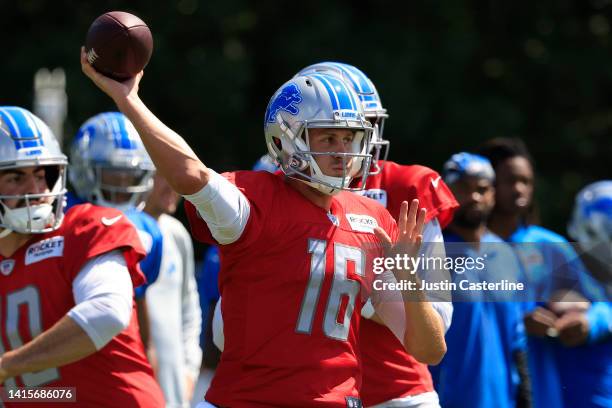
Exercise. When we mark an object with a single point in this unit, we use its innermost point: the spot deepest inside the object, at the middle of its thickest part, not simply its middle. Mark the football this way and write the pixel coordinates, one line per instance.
(119, 45)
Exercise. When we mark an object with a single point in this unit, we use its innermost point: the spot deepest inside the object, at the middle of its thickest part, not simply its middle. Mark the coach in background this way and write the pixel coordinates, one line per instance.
(485, 365)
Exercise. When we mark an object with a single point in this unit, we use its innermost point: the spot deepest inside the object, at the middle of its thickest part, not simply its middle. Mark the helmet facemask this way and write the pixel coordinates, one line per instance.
(110, 166)
(122, 188)
(379, 147)
(373, 110)
(302, 165)
(318, 102)
(36, 213)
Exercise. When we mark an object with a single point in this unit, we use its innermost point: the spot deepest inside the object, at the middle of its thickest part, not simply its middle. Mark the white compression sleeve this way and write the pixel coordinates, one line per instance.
(434, 248)
(223, 207)
(103, 294)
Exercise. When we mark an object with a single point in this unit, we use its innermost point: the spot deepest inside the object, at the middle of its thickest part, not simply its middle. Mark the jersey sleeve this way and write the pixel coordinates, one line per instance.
(92, 231)
(432, 192)
(258, 188)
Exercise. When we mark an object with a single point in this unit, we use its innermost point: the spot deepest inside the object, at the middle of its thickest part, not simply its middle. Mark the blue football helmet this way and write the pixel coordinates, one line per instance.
(467, 164)
(26, 141)
(316, 101)
(368, 95)
(591, 222)
(109, 164)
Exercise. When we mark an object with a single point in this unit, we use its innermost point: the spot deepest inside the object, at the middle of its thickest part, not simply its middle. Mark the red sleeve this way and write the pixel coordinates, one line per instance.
(427, 185)
(258, 187)
(92, 231)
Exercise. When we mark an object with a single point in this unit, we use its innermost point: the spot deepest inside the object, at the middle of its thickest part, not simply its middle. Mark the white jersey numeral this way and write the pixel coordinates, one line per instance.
(342, 285)
(29, 297)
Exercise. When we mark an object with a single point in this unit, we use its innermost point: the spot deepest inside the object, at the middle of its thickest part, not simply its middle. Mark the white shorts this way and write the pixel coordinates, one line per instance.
(424, 400)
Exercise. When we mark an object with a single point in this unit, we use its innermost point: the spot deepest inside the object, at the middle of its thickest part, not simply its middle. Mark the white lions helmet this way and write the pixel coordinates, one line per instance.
(316, 101)
(26, 141)
(108, 145)
(368, 95)
(591, 222)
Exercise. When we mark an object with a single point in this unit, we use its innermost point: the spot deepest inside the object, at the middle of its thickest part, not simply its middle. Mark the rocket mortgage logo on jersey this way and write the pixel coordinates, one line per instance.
(48, 248)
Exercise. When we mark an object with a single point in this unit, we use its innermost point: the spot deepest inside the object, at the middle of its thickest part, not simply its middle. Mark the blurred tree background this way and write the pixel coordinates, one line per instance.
(451, 73)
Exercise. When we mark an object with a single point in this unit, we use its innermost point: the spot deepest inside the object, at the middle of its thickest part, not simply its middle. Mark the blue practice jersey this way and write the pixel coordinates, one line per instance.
(478, 370)
(577, 376)
(151, 238)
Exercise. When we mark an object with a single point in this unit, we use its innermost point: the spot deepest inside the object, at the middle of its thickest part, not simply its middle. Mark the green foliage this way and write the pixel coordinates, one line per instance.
(451, 73)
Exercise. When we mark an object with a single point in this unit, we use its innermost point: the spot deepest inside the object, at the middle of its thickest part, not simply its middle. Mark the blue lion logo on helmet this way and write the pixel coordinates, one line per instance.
(286, 100)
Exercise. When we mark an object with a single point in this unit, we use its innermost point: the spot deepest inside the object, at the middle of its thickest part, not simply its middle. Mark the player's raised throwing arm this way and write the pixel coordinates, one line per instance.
(173, 157)
(224, 208)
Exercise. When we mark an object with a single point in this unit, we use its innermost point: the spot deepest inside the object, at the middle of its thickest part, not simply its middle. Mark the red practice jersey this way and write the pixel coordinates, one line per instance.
(36, 292)
(292, 289)
(388, 371)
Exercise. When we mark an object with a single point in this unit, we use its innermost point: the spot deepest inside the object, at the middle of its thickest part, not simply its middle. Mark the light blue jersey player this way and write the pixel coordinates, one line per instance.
(111, 168)
(585, 368)
(552, 266)
(486, 342)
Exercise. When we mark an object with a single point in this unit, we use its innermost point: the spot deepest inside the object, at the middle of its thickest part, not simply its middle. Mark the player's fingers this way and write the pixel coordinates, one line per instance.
(412, 212)
(544, 316)
(86, 66)
(383, 237)
(420, 222)
(403, 217)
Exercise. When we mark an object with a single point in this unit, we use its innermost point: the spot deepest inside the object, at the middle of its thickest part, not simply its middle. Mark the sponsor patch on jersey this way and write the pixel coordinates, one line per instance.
(6, 266)
(376, 194)
(48, 248)
(353, 402)
(362, 223)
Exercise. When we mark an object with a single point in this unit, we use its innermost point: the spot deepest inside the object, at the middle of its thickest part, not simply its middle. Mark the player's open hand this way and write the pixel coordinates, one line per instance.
(410, 225)
(115, 89)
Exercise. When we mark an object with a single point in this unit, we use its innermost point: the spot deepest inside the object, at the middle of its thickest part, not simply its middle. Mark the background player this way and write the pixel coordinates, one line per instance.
(263, 221)
(68, 317)
(585, 356)
(173, 304)
(111, 168)
(551, 262)
(392, 376)
(486, 342)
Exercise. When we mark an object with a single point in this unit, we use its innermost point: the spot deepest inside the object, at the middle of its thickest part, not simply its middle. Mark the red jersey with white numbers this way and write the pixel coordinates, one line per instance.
(36, 292)
(388, 371)
(292, 288)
